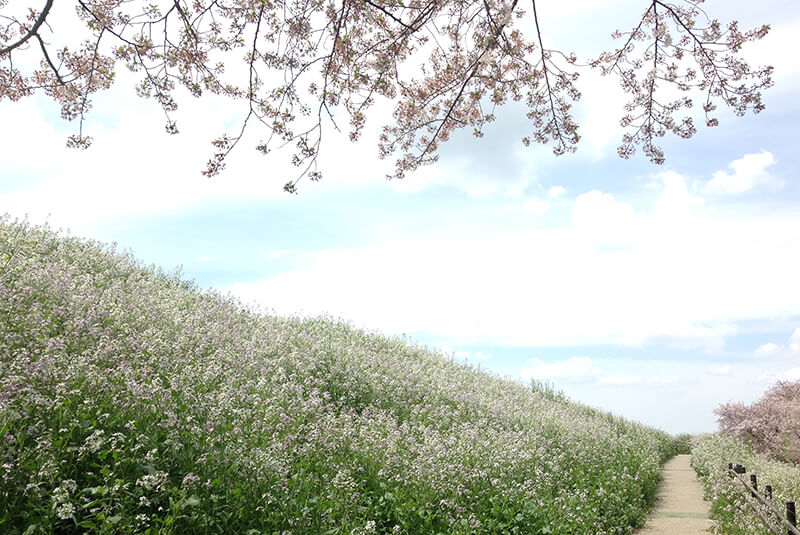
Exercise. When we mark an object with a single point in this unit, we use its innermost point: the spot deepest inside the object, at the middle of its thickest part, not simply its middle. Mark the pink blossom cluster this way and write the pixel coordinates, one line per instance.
(771, 424)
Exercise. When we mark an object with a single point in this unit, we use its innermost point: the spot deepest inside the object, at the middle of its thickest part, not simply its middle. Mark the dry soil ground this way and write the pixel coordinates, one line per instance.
(680, 509)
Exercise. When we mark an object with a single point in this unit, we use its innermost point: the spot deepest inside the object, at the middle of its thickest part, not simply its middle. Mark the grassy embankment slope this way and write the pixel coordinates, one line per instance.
(133, 402)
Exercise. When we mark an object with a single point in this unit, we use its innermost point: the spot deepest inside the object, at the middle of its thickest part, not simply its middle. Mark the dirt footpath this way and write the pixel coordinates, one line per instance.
(680, 508)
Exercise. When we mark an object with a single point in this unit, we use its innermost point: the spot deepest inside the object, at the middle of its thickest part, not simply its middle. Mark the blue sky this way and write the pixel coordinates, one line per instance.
(654, 292)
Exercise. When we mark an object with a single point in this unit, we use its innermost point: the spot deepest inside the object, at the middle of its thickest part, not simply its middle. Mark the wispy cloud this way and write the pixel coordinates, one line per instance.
(721, 370)
(792, 374)
(472, 356)
(536, 206)
(794, 341)
(572, 369)
(678, 272)
(637, 387)
(768, 350)
(772, 349)
(621, 380)
(746, 174)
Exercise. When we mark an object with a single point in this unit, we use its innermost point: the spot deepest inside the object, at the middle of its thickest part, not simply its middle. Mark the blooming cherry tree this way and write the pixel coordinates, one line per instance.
(771, 424)
(444, 65)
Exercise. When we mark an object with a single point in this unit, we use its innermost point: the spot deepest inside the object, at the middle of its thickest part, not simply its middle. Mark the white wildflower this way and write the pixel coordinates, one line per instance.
(154, 481)
(94, 442)
(65, 511)
(190, 480)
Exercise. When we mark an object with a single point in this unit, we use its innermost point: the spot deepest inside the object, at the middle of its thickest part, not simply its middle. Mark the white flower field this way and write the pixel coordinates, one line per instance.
(133, 402)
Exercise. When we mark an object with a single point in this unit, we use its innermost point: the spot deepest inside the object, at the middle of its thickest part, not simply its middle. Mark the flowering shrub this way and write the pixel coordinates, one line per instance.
(133, 402)
(771, 424)
(710, 457)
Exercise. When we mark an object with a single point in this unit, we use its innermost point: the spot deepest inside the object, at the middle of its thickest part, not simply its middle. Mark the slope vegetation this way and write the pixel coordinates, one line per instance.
(729, 499)
(133, 402)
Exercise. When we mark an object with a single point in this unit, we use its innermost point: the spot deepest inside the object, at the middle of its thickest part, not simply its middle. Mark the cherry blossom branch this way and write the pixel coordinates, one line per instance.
(336, 57)
(717, 72)
(543, 52)
(50, 61)
(391, 16)
(32, 32)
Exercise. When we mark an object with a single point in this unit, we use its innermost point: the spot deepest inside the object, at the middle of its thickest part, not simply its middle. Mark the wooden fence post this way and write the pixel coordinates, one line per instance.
(788, 521)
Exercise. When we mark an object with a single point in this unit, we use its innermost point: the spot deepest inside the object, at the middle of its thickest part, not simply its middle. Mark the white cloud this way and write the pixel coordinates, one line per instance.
(516, 190)
(619, 380)
(794, 341)
(747, 173)
(536, 206)
(205, 259)
(472, 356)
(134, 168)
(721, 370)
(679, 274)
(467, 356)
(574, 368)
(771, 349)
(602, 220)
(675, 205)
(599, 112)
(777, 49)
(792, 374)
(566, 12)
(638, 388)
(768, 350)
